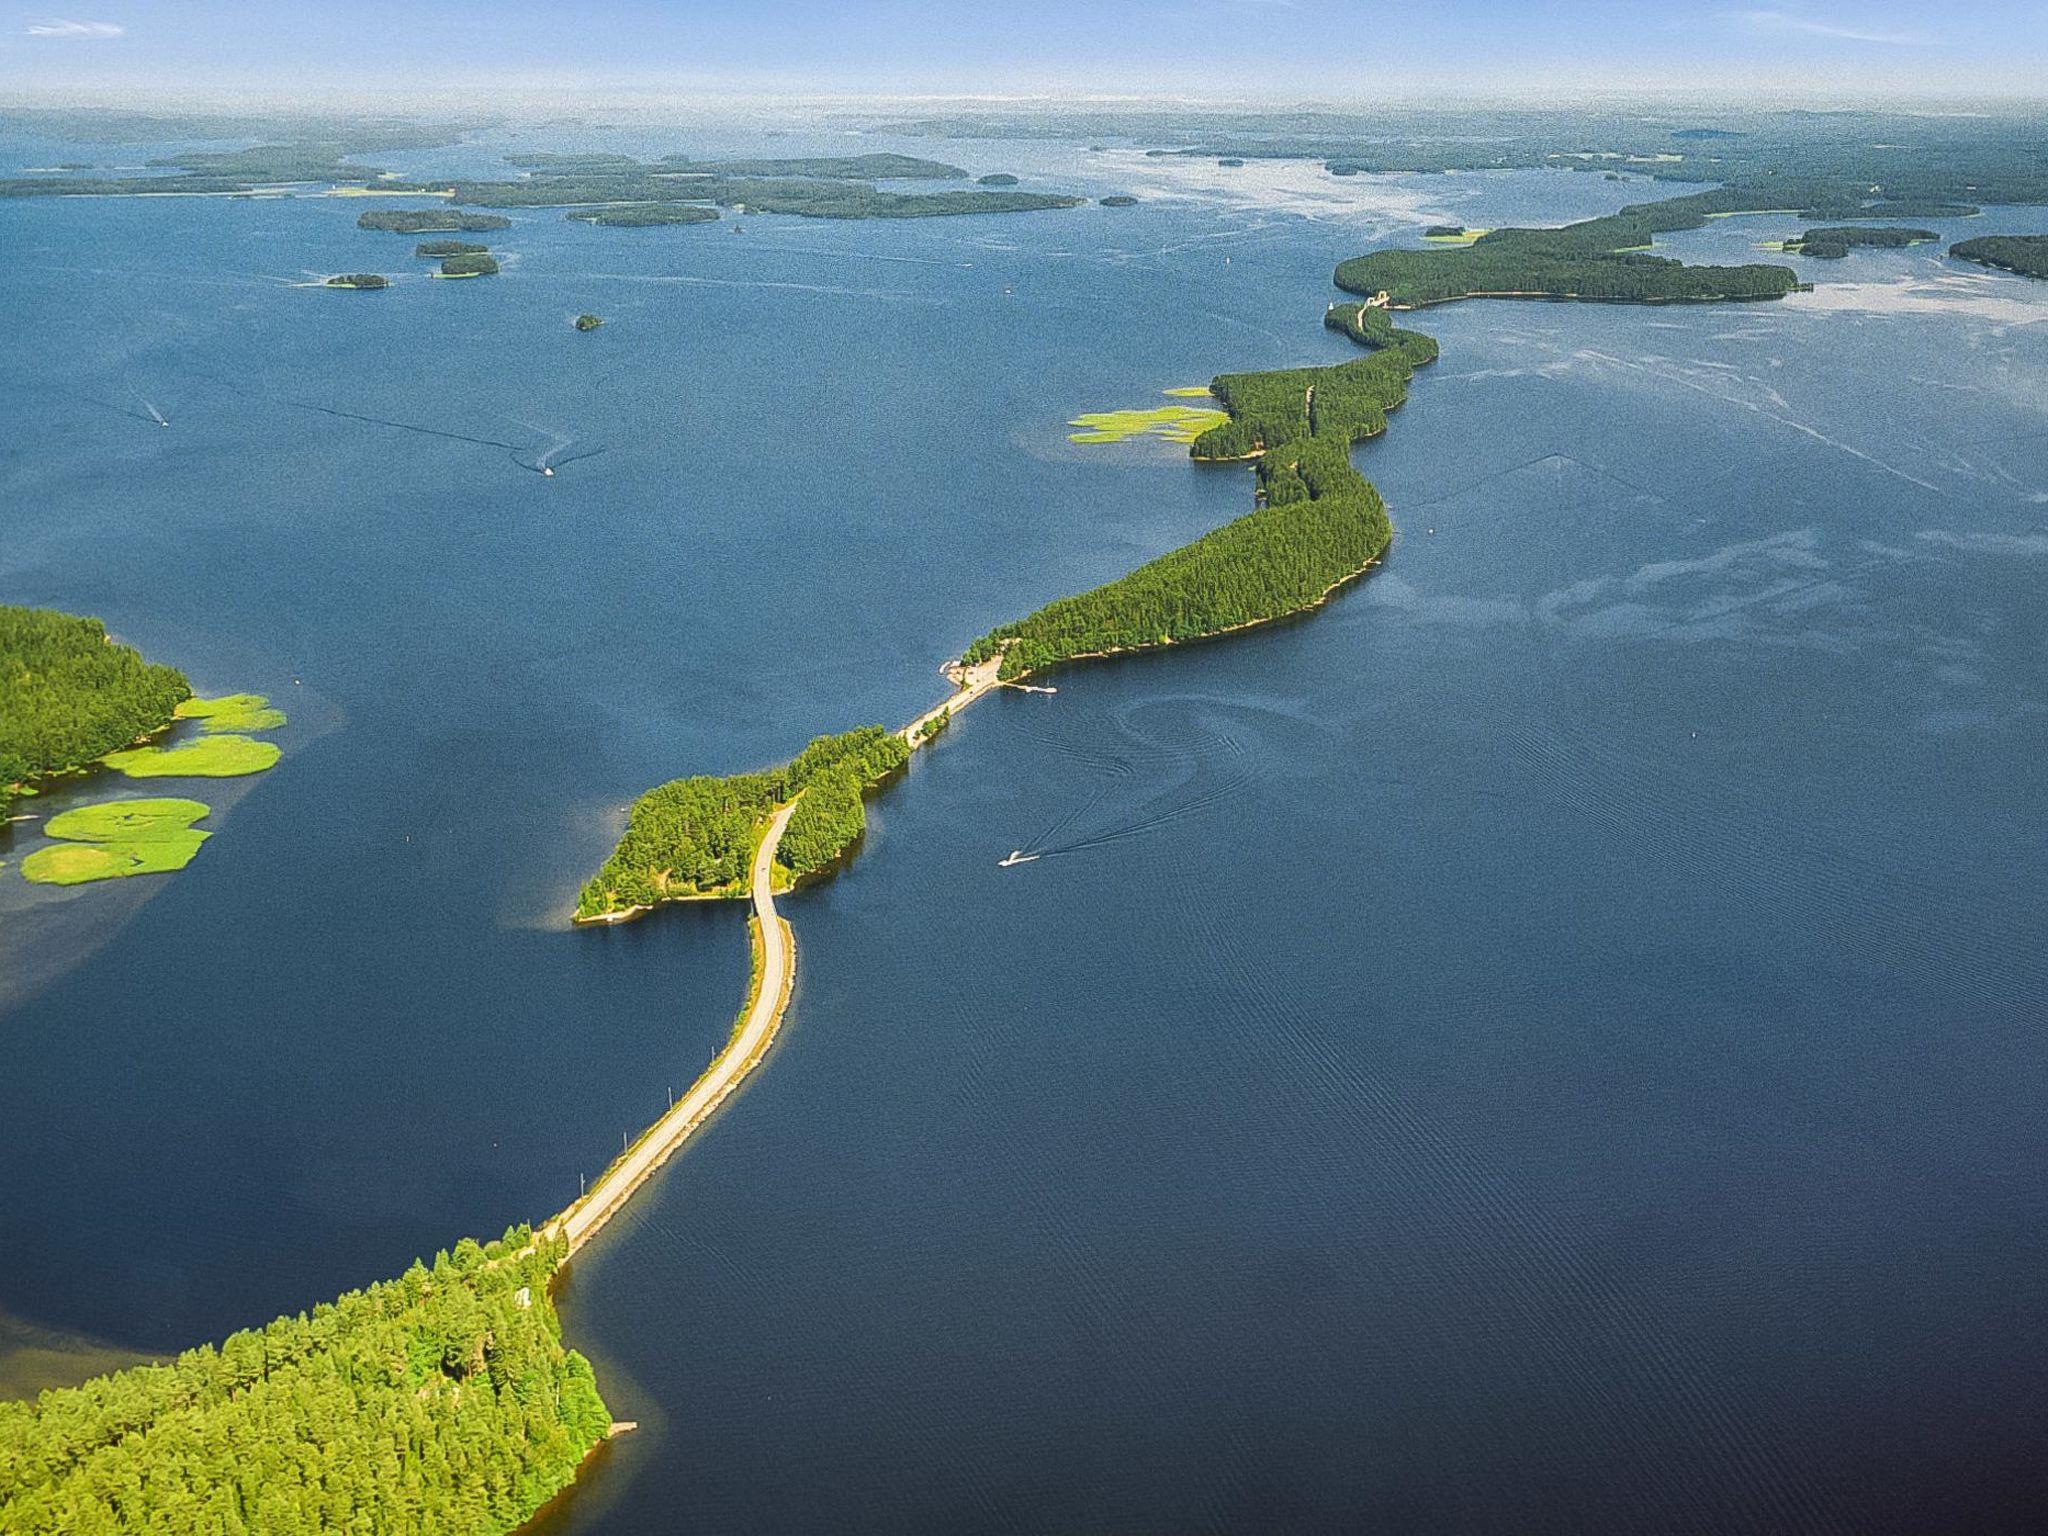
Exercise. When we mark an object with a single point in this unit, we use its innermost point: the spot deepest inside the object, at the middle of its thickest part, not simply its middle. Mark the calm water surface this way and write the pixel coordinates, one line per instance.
(1550, 1043)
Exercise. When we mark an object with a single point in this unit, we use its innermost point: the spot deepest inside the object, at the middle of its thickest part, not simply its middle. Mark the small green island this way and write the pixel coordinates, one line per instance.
(441, 1401)
(2026, 255)
(589, 322)
(469, 264)
(1835, 242)
(1118, 200)
(431, 221)
(996, 179)
(695, 838)
(363, 281)
(644, 215)
(439, 248)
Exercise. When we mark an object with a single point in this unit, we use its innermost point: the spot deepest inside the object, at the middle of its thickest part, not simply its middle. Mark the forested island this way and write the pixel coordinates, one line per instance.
(69, 696)
(1832, 244)
(438, 248)
(645, 215)
(469, 264)
(431, 221)
(442, 1401)
(1606, 260)
(363, 280)
(2026, 255)
(589, 322)
(621, 190)
(696, 837)
(996, 179)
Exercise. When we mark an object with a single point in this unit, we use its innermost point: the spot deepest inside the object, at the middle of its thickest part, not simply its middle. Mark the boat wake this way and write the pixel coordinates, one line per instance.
(1196, 766)
(553, 456)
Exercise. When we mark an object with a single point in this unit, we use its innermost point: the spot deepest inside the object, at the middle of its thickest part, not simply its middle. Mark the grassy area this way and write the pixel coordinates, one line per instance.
(1174, 423)
(1463, 237)
(1188, 392)
(115, 839)
(210, 757)
(232, 712)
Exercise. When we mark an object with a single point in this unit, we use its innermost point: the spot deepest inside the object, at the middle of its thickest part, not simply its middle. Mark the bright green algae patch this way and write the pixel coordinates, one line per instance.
(232, 712)
(115, 839)
(1174, 423)
(210, 757)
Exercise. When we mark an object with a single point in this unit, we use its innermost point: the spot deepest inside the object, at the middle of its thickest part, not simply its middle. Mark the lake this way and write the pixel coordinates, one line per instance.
(1549, 1043)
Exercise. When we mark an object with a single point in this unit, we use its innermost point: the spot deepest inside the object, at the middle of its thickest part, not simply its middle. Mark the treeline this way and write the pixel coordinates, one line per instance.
(1320, 524)
(440, 1402)
(68, 696)
(449, 248)
(623, 191)
(813, 198)
(1605, 259)
(877, 167)
(1833, 244)
(697, 836)
(645, 215)
(469, 264)
(431, 221)
(2024, 254)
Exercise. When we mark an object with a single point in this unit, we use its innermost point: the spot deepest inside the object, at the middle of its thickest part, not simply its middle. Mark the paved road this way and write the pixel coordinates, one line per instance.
(605, 1198)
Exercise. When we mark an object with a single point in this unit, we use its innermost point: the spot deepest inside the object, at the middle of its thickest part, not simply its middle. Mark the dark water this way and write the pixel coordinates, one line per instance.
(1550, 1043)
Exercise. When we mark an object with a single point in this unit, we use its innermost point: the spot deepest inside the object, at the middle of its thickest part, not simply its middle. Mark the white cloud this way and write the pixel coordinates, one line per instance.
(75, 29)
(1785, 23)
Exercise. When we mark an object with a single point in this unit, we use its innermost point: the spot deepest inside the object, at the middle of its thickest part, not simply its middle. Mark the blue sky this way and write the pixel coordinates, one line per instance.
(1353, 50)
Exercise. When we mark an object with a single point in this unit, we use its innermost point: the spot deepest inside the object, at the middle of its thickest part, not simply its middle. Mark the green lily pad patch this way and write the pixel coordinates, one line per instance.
(232, 712)
(115, 839)
(210, 757)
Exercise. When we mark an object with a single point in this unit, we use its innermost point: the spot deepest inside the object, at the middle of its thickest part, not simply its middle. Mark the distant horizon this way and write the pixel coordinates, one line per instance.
(430, 101)
(1248, 52)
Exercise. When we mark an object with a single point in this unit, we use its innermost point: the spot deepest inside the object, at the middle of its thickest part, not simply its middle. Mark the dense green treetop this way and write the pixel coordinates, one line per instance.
(430, 221)
(644, 215)
(1321, 522)
(1834, 242)
(2024, 254)
(449, 248)
(996, 179)
(471, 265)
(589, 322)
(359, 280)
(1599, 259)
(440, 1402)
(69, 696)
(879, 167)
(831, 187)
(697, 836)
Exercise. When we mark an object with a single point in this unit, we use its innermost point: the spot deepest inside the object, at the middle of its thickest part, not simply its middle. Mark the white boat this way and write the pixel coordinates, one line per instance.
(1017, 856)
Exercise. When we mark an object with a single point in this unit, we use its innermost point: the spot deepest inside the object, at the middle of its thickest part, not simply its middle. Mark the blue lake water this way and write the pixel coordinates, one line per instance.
(1549, 1043)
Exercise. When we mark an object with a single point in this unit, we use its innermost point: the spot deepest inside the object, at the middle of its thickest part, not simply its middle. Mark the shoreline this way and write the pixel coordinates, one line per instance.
(760, 1020)
(970, 683)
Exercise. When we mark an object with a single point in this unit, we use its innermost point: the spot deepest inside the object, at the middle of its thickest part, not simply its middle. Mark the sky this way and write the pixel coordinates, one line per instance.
(1334, 50)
